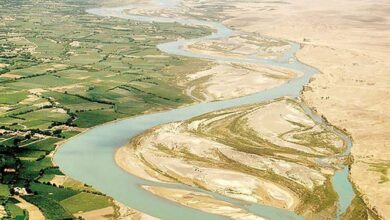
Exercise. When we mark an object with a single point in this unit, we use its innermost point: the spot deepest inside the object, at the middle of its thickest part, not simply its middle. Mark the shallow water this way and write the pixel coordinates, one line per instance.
(89, 156)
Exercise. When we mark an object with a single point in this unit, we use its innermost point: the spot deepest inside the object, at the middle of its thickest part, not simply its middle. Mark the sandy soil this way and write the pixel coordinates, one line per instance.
(275, 119)
(30, 99)
(348, 24)
(10, 76)
(59, 180)
(241, 46)
(228, 182)
(67, 88)
(37, 91)
(230, 80)
(113, 3)
(59, 110)
(126, 213)
(122, 213)
(192, 152)
(104, 213)
(33, 211)
(3, 213)
(202, 202)
(128, 160)
(60, 66)
(353, 93)
(42, 104)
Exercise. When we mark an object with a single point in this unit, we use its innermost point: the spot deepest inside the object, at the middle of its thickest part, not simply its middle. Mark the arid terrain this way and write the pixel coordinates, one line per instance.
(202, 202)
(241, 46)
(271, 154)
(226, 80)
(348, 41)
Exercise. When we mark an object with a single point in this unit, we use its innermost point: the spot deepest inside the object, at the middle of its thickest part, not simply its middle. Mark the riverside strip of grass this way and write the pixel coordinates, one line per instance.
(63, 70)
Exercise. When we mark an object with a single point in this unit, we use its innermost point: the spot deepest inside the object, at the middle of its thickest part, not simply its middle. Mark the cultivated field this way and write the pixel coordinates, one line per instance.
(63, 71)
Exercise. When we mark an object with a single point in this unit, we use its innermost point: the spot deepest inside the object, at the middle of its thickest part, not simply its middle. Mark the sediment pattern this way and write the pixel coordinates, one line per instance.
(271, 153)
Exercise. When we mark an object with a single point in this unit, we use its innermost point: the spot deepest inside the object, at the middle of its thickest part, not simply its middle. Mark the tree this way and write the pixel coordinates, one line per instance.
(17, 141)
(57, 132)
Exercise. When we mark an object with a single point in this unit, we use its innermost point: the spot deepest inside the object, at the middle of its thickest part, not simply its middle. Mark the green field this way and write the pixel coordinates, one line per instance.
(81, 202)
(61, 75)
(50, 208)
(15, 211)
(12, 98)
(4, 190)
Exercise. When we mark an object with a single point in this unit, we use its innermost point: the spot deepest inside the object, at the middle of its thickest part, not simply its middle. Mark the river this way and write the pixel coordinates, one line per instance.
(89, 157)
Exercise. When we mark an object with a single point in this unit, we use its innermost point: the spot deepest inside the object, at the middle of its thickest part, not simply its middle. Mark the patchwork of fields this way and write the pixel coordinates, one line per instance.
(63, 71)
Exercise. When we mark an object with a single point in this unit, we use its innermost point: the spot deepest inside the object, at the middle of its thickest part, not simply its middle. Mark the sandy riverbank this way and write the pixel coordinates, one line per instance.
(202, 202)
(226, 80)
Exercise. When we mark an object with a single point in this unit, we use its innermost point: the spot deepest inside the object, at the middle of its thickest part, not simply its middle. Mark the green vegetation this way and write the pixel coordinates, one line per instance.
(50, 208)
(92, 118)
(69, 134)
(44, 144)
(81, 202)
(324, 198)
(4, 190)
(358, 210)
(383, 169)
(14, 211)
(70, 72)
(323, 139)
(76, 185)
(12, 98)
(52, 192)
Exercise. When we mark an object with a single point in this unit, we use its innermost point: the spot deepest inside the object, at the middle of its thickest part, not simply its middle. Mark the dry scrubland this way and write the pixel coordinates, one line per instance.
(241, 46)
(348, 41)
(270, 153)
